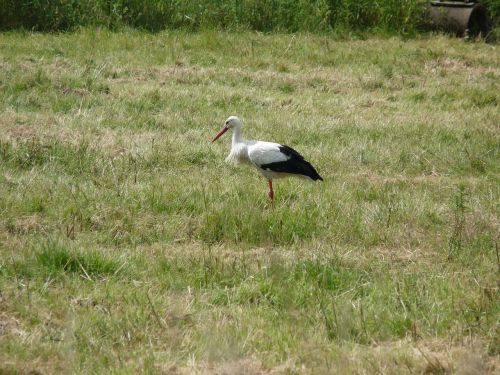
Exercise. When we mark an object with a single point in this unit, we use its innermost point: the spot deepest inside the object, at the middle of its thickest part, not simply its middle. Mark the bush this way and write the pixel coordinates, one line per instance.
(261, 15)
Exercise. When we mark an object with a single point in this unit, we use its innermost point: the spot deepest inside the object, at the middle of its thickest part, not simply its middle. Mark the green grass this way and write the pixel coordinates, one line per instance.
(127, 245)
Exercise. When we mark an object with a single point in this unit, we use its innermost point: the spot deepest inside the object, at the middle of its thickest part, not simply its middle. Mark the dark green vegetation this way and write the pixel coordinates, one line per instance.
(262, 15)
(127, 245)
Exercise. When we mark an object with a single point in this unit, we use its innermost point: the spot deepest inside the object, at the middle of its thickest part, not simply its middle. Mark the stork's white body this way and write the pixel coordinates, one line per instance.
(256, 153)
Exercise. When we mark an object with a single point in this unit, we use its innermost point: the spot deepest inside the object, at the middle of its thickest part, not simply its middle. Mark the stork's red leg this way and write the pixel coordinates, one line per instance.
(271, 192)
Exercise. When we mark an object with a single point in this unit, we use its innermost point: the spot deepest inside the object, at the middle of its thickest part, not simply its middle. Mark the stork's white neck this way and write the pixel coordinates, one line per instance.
(236, 135)
(239, 149)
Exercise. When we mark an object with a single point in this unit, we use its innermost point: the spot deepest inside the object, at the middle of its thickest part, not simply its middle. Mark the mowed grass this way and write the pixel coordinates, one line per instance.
(128, 246)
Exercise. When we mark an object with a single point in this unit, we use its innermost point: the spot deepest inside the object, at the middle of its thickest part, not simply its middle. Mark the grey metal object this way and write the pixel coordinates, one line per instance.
(461, 17)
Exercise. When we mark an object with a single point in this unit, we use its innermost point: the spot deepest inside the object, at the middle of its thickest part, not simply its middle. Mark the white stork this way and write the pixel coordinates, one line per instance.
(273, 160)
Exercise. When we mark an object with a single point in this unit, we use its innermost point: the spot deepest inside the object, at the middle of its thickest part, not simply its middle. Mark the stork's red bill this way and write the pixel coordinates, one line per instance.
(273, 160)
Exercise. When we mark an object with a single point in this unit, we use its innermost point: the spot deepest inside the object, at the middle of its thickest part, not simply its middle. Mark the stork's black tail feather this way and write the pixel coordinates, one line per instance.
(314, 174)
(310, 171)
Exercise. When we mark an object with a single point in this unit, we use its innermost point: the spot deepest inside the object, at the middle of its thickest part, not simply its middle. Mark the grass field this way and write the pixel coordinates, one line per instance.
(128, 246)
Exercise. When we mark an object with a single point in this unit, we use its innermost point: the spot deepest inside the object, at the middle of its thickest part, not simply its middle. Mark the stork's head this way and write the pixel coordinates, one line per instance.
(230, 123)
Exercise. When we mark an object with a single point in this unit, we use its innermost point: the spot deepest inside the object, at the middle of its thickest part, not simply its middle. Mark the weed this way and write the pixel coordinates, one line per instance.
(456, 240)
(55, 259)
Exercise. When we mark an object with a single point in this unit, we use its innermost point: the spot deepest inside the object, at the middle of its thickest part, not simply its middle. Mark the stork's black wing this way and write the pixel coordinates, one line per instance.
(295, 164)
